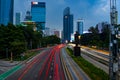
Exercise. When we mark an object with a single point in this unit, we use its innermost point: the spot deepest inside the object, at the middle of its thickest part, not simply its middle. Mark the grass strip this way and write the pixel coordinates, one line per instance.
(93, 72)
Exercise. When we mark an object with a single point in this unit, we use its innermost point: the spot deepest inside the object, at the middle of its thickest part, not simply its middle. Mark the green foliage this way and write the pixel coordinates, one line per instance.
(93, 72)
(94, 38)
(18, 39)
(50, 40)
(11, 38)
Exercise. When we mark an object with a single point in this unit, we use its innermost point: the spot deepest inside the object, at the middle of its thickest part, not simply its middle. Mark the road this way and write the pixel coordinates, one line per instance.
(74, 71)
(51, 64)
(97, 58)
(45, 66)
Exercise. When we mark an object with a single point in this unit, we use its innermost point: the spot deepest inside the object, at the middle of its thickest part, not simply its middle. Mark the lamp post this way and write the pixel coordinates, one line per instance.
(114, 56)
(77, 50)
(11, 57)
(79, 38)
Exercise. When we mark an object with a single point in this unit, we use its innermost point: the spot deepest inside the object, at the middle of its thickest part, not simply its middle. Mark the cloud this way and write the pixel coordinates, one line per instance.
(102, 8)
(93, 11)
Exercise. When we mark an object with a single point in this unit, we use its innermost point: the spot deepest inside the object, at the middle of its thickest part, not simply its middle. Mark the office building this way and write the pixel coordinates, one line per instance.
(17, 18)
(67, 25)
(28, 16)
(47, 31)
(38, 13)
(103, 25)
(80, 26)
(57, 33)
(6, 11)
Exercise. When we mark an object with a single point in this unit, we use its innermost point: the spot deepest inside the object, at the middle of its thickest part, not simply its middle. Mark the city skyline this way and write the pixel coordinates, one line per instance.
(93, 12)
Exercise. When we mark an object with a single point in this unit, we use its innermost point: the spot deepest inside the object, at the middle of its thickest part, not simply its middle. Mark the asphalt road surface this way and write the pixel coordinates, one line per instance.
(45, 66)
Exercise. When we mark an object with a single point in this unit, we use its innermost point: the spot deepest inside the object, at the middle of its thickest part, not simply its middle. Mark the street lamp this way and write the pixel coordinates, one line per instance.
(77, 51)
(79, 37)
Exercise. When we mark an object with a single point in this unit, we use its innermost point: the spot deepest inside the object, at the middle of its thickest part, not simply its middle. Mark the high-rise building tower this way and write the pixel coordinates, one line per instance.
(80, 26)
(38, 12)
(67, 25)
(17, 18)
(6, 11)
(47, 31)
(28, 16)
(57, 33)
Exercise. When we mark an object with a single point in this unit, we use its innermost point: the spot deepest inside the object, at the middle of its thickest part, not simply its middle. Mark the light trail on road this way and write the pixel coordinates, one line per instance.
(45, 66)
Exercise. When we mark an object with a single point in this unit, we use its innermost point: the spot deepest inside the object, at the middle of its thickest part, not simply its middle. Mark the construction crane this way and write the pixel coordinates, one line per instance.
(114, 57)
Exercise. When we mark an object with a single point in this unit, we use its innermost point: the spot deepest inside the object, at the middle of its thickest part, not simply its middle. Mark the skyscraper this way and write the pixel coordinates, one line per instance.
(47, 31)
(17, 18)
(57, 33)
(38, 12)
(67, 24)
(6, 11)
(28, 16)
(80, 26)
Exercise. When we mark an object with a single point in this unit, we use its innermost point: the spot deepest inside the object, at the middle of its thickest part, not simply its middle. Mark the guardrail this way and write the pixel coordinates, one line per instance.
(98, 58)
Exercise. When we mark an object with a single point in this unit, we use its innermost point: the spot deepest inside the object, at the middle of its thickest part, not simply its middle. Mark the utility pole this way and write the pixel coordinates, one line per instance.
(114, 57)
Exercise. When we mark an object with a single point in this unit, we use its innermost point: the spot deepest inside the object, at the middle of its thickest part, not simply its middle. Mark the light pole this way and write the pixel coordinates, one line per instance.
(77, 50)
(79, 37)
(114, 57)
(11, 57)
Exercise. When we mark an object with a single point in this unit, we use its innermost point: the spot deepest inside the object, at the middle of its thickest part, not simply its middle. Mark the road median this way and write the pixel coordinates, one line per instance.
(93, 72)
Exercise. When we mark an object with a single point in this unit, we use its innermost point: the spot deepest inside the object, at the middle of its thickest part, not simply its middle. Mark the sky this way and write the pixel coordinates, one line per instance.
(92, 11)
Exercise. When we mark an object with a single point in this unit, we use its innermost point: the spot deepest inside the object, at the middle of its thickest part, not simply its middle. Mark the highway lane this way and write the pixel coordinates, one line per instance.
(45, 66)
(96, 63)
(96, 56)
(74, 71)
(93, 52)
(97, 53)
(58, 69)
(98, 59)
(30, 69)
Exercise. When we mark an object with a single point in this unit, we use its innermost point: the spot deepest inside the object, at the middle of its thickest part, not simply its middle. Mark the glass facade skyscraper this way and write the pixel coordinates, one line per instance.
(6, 11)
(67, 25)
(17, 18)
(38, 13)
(28, 16)
(80, 26)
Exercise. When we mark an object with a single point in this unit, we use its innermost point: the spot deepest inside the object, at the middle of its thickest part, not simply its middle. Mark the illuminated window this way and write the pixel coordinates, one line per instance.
(35, 2)
(66, 17)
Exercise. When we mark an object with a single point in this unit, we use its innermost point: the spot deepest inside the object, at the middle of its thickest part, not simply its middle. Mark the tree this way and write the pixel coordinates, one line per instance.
(95, 35)
(104, 36)
(11, 39)
(50, 40)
